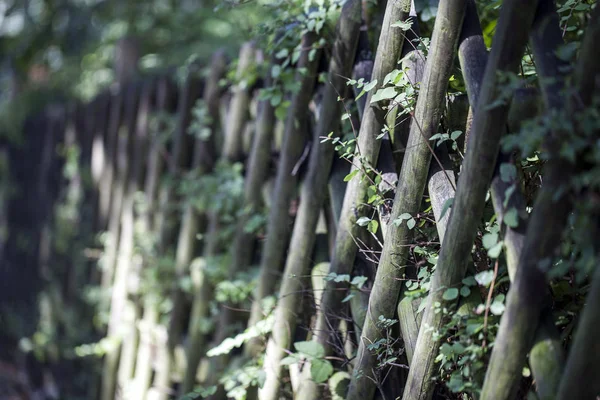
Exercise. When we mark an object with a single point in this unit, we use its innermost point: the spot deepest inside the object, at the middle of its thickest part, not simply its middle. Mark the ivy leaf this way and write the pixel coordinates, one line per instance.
(310, 348)
(450, 294)
(320, 370)
(411, 223)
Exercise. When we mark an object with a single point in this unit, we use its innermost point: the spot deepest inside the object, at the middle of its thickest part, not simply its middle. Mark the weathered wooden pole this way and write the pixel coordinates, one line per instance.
(478, 166)
(312, 196)
(411, 185)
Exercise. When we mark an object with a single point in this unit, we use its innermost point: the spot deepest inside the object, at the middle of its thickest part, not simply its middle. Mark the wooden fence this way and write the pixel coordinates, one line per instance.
(117, 194)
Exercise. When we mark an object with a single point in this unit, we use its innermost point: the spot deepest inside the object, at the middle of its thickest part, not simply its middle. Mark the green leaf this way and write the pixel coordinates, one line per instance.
(351, 175)
(337, 278)
(508, 172)
(283, 53)
(484, 278)
(289, 360)
(342, 278)
(281, 110)
(398, 221)
(320, 370)
(446, 349)
(373, 198)
(567, 51)
(411, 223)
(384, 94)
(439, 136)
(455, 135)
(508, 193)
(450, 294)
(391, 77)
(495, 251)
(275, 71)
(422, 305)
(469, 281)
(310, 348)
(447, 204)
(363, 221)
(404, 25)
(373, 225)
(359, 281)
(497, 308)
(361, 94)
(489, 240)
(347, 298)
(295, 55)
(465, 291)
(370, 85)
(511, 218)
(276, 99)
